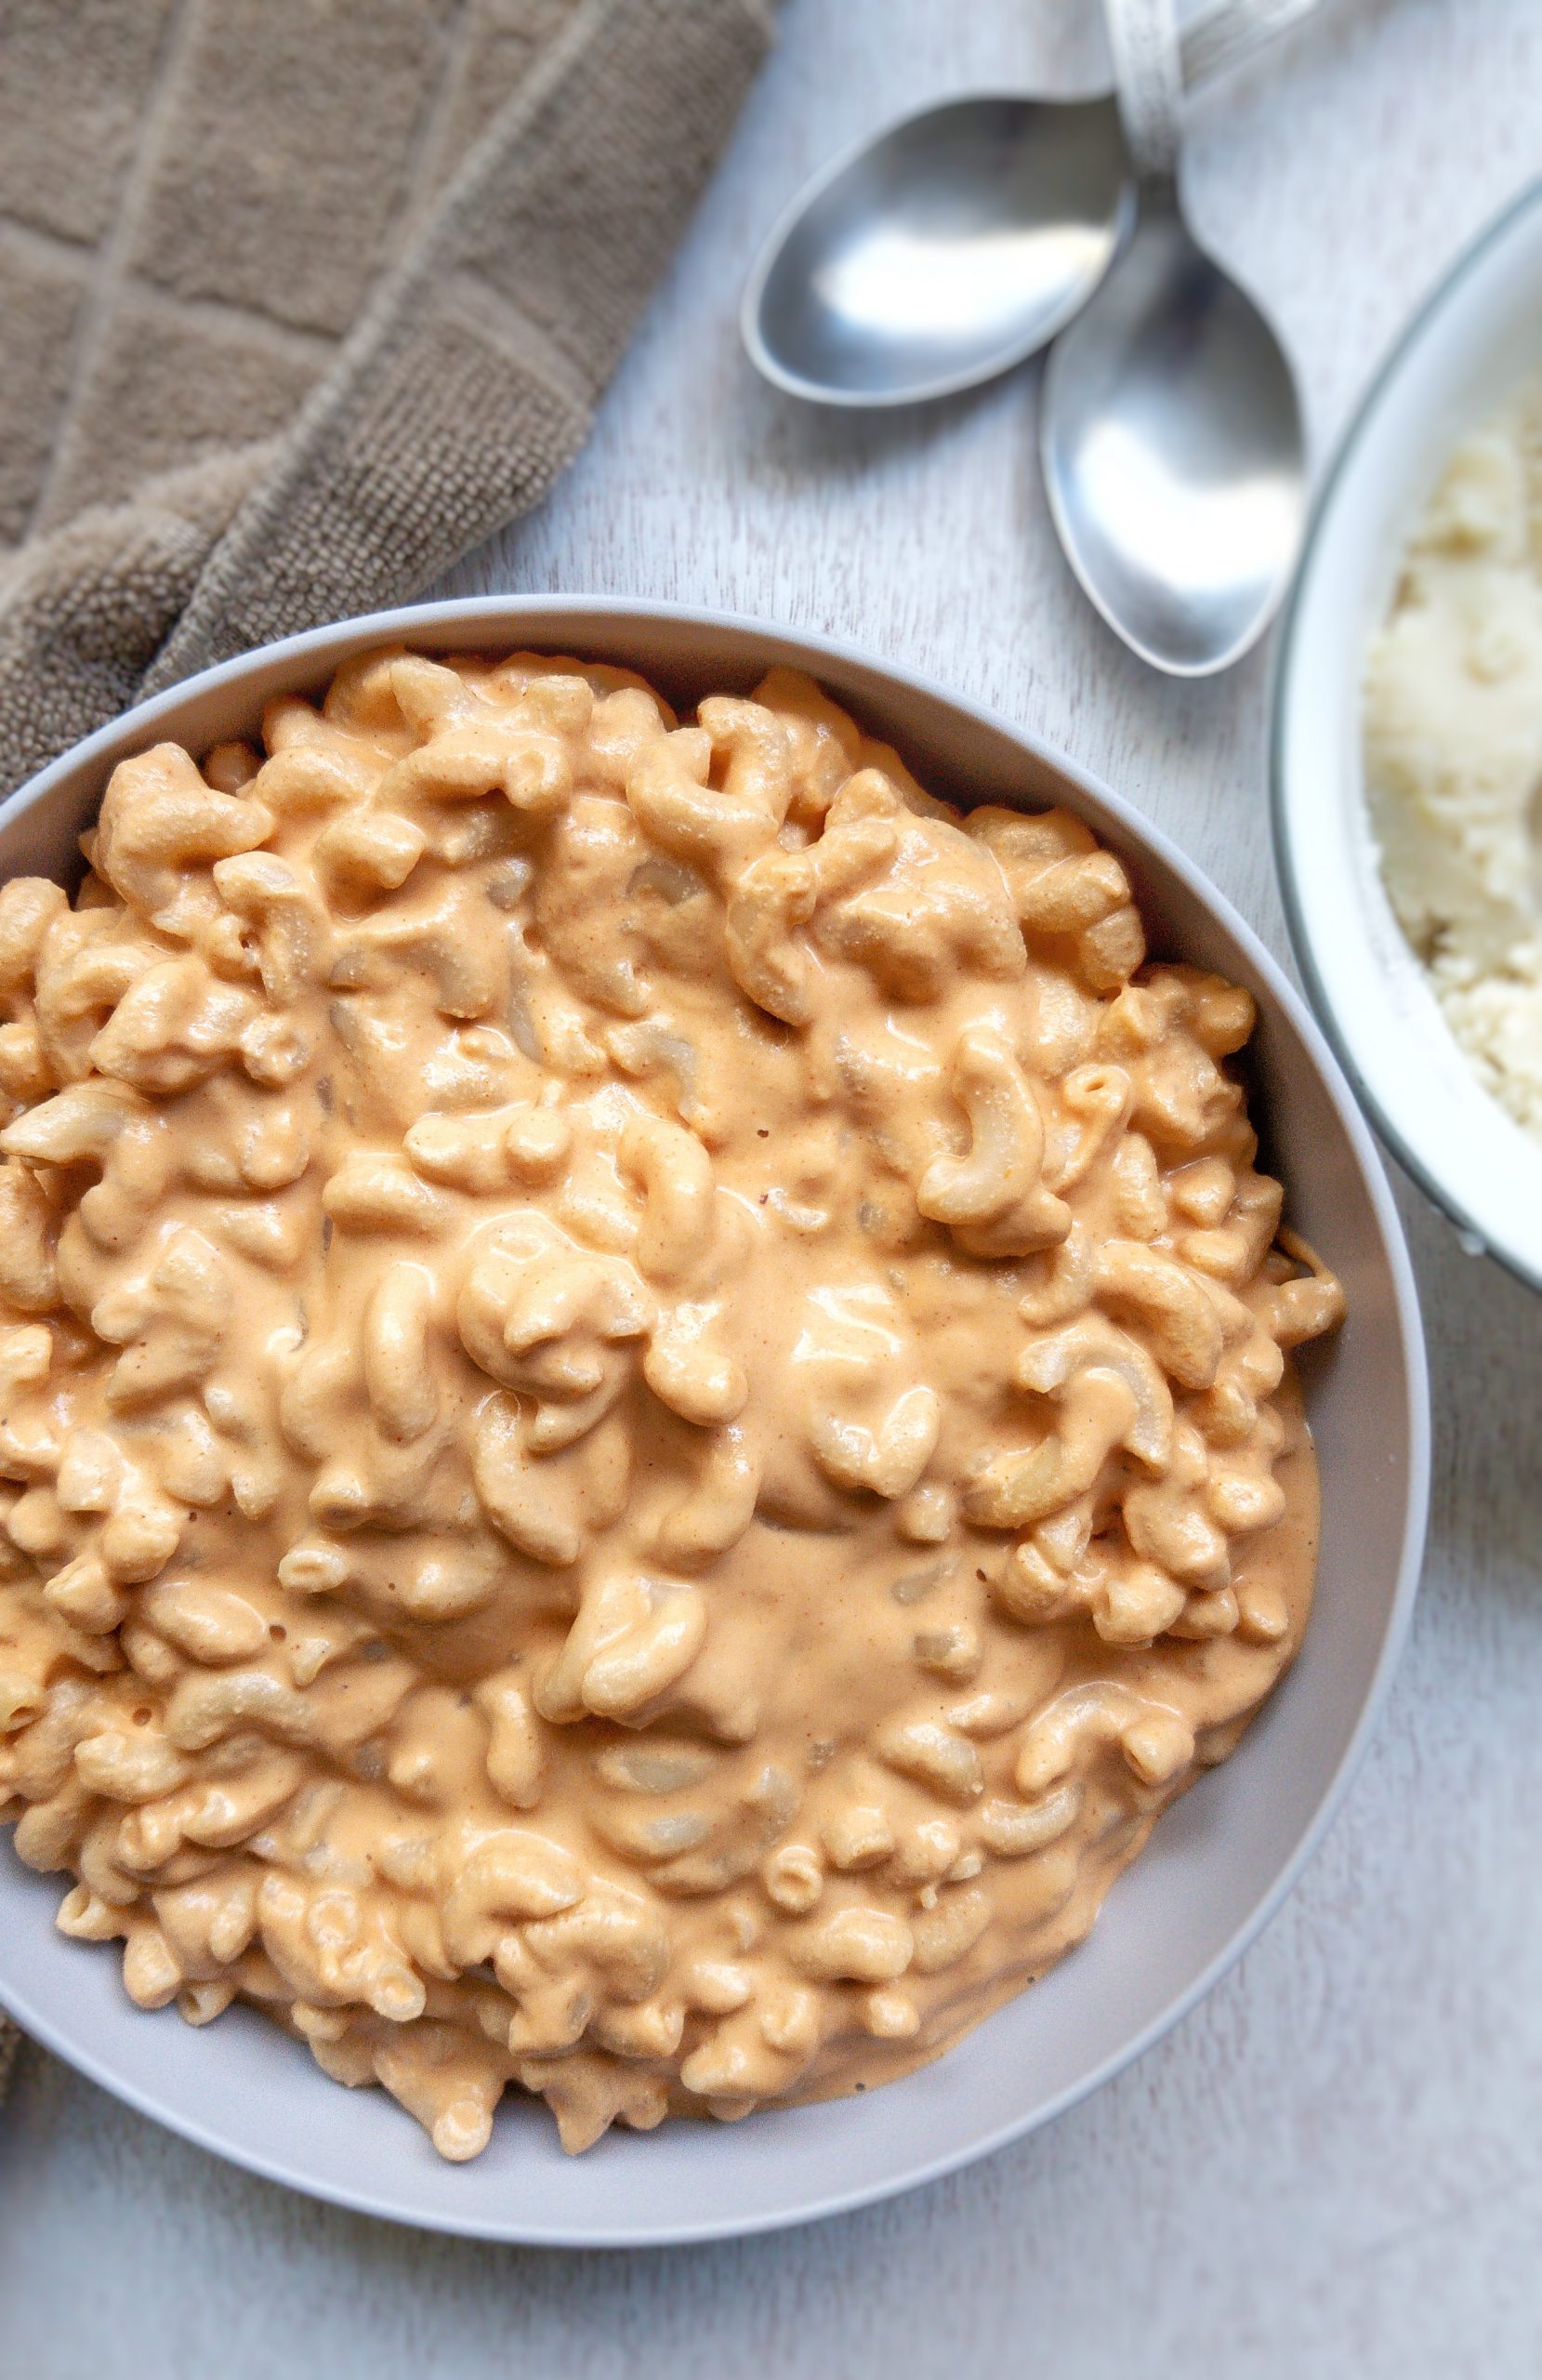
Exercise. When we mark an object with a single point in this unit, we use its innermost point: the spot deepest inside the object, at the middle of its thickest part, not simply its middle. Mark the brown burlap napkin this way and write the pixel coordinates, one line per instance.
(302, 298)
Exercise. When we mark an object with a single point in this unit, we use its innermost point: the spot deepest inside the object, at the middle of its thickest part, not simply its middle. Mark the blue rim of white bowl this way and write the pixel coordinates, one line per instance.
(392, 626)
(1362, 429)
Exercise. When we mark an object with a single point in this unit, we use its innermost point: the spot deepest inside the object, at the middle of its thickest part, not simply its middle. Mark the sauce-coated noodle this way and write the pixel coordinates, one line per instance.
(643, 1389)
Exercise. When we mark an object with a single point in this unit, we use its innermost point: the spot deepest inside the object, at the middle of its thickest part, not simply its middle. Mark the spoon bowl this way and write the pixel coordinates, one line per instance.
(1174, 454)
(941, 254)
(960, 241)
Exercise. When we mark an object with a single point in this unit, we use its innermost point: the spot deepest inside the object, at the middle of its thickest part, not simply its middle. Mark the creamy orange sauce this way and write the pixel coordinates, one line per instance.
(643, 1389)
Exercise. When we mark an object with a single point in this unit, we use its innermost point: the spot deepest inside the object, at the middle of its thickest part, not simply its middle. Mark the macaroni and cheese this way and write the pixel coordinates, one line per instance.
(643, 1391)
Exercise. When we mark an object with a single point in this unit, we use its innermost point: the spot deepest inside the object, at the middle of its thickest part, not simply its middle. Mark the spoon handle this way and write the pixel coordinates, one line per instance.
(1224, 35)
(1147, 85)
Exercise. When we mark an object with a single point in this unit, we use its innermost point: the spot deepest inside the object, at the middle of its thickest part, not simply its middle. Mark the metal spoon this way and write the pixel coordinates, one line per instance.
(1170, 427)
(960, 240)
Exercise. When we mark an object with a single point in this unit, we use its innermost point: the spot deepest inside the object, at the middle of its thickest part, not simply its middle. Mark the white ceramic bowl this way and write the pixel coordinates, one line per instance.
(1478, 336)
(1218, 1865)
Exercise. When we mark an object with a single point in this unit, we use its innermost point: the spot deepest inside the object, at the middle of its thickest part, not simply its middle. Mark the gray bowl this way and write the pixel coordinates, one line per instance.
(1219, 1864)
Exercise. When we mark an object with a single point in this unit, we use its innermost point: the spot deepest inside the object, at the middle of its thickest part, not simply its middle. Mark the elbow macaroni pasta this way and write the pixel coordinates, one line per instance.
(644, 1407)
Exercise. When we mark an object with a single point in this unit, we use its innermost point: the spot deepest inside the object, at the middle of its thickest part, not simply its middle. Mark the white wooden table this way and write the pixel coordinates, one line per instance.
(1334, 2166)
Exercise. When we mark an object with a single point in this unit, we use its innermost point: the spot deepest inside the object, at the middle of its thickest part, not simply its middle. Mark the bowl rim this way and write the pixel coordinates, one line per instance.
(540, 616)
(1476, 1236)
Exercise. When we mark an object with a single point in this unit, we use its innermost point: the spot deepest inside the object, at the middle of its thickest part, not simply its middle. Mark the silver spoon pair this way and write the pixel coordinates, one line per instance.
(965, 238)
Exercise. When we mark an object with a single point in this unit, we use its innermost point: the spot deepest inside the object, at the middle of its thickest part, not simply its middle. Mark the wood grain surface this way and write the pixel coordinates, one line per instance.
(1333, 2166)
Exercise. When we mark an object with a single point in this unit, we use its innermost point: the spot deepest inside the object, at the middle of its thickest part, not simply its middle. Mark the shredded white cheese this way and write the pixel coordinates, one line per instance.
(1454, 751)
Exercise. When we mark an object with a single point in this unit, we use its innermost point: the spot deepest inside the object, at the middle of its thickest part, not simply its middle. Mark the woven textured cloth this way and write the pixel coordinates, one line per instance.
(302, 299)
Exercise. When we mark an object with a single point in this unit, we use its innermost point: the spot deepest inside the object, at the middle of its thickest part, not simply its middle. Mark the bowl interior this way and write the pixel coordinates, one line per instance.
(1218, 1864)
(1477, 339)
